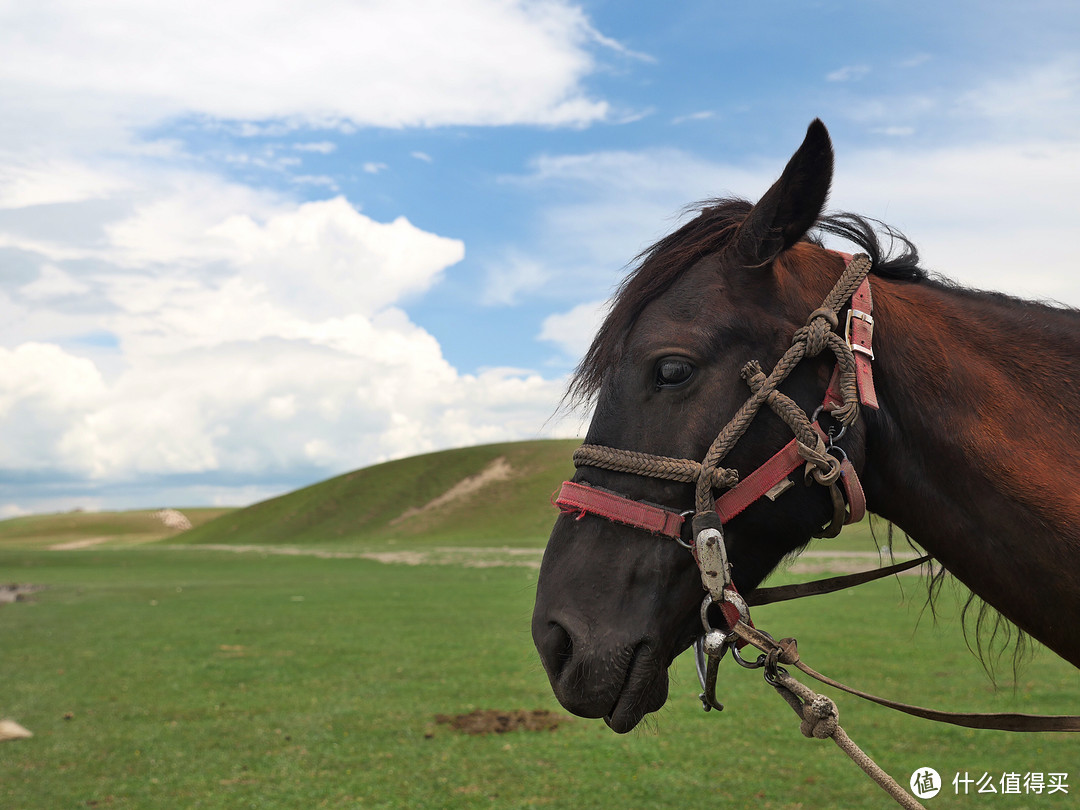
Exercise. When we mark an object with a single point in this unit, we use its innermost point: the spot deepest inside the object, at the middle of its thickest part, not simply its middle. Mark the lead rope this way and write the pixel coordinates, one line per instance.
(819, 715)
(821, 719)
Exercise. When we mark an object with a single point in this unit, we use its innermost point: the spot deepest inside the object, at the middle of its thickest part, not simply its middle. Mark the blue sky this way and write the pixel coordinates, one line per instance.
(246, 246)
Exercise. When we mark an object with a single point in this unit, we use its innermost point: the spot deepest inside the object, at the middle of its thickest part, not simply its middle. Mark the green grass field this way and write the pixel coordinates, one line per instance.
(176, 678)
(157, 672)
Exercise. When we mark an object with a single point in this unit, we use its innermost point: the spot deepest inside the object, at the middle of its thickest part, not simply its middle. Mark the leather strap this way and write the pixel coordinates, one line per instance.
(786, 652)
(856, 498)
(1003, 721)
(586, 499)
(759, 482)
(859, 333)
(818, 587)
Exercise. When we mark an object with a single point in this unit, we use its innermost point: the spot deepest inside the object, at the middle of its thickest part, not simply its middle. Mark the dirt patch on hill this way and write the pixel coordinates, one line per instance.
(497, 470)
(173, 519)
(497, 721)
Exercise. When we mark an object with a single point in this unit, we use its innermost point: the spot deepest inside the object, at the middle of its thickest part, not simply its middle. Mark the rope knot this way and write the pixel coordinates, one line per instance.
(817, 333)
(822, 466)
(821, 718)
(753, 375)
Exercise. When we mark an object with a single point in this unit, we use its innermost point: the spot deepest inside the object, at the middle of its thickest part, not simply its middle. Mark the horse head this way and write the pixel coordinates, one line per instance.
(616, 604)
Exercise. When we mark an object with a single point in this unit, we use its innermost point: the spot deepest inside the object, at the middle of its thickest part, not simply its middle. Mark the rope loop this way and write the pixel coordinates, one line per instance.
(827, 314)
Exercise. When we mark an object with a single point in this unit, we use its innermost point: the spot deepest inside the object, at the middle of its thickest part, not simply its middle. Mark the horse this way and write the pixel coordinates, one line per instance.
(971, 448)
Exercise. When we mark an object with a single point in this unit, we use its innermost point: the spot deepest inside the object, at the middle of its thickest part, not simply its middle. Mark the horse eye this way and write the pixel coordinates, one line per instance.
(671, 372)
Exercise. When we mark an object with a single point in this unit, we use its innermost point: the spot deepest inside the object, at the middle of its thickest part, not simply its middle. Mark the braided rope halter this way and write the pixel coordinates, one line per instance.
(817, 335)
(823, 463)
(852, 380)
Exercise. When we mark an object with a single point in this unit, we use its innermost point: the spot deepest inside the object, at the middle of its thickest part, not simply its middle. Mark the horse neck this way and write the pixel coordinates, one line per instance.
(975, 449)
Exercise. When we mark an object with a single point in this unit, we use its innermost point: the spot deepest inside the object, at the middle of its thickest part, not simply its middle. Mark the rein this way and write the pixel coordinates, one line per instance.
(824, 463)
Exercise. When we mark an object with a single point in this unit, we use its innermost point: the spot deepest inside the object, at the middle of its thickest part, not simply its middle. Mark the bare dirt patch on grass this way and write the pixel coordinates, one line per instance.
(498, 721)
(18, 593)
(497, 470)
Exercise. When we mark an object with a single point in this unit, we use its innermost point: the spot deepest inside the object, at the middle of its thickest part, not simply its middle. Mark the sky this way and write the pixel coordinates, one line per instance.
(246, 246)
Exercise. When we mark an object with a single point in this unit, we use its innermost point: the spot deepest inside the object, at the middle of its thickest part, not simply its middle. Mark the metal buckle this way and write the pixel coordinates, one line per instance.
(711, 554)
(866, 318)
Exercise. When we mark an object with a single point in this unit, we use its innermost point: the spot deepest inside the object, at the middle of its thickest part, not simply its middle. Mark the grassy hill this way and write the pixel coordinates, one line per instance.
(493, 494)
(90, 528)
(488, 496)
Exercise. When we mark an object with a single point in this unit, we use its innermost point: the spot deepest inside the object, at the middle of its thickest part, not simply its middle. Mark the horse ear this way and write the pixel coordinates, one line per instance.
(790, 208)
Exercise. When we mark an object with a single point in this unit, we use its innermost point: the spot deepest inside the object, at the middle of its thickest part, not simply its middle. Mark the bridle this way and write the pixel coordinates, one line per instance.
(852, 382)
(824, 463)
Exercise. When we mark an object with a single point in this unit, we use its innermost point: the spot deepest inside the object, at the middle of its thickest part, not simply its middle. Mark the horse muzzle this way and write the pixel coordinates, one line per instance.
(599, 675)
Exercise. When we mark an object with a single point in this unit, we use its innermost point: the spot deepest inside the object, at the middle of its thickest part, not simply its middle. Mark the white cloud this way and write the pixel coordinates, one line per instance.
(327, 257)
(163, 321)
(321, 147)
(988, 216)
(511, 277)
(27, 180)
(894, 132)
(915, 60)
(255, 337)
(609, 206)
(573, 331)
(848, 73)
(1035, 102)
(1041, 101)
(11, 510)
(52, 283)
(704, 115)
(322, 62)
(44, 392)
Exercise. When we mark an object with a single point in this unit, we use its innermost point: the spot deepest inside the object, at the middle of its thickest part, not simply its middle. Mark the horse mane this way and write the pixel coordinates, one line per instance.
(659, 266)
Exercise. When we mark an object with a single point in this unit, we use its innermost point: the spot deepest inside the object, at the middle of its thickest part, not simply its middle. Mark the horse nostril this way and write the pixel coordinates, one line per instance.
(556, 649)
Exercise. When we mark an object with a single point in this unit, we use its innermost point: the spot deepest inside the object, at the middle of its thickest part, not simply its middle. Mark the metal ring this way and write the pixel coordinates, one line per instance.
(832, 440)
(706, 603)
(773, 675)
(742, 662)
(679, 540)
